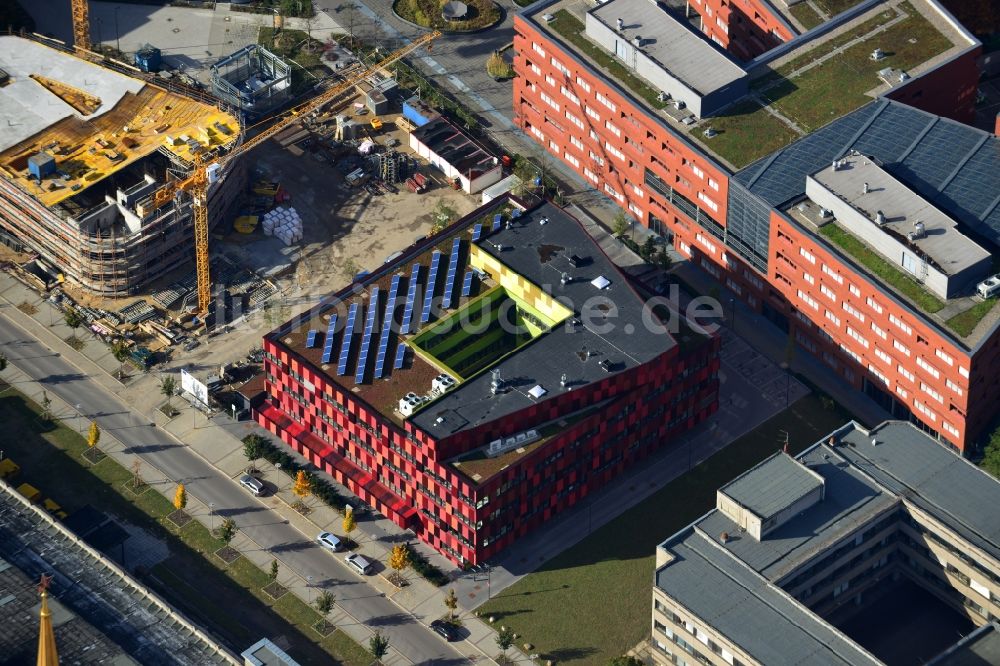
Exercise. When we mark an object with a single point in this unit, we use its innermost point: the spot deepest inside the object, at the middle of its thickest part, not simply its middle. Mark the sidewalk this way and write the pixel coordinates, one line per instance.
(217, 441)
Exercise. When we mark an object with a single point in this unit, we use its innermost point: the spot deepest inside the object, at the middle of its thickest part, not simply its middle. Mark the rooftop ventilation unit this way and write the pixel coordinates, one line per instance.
(537, 391)
(710, 133)
(679, 104)
(620, 23)
(409, 403)
(637, 41)
(825, 213)
(443, 383)
(879, 218)
(498, 446)
(866, 188)
(662, 96)
(877, 54)
(989, 287)
(919, 231)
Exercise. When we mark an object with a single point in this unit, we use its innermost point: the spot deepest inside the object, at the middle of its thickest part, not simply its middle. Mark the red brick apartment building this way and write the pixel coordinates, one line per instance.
(473, 435)
(828, 181)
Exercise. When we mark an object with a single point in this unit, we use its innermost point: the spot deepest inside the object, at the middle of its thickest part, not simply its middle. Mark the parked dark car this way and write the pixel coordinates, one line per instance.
(445, 630)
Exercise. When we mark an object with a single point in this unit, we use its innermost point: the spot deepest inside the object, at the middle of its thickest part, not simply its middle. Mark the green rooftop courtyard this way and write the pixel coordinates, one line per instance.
(745, 132)
(961, 324)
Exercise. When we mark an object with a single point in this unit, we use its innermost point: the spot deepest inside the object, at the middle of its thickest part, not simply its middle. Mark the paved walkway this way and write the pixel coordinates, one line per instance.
(216, 439)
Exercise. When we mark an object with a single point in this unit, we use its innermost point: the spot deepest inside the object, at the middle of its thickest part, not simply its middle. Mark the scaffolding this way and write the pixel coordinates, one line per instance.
(252, 79)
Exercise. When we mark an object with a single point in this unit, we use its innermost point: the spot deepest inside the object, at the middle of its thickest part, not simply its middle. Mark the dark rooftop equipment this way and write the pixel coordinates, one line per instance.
(148, 58)
(41, 165)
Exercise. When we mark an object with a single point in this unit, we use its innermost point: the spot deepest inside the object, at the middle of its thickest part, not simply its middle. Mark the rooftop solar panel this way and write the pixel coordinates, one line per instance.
(425, 314)
(449, 284)
(366, 337)
(328, 343)
(411, 297)
(497, 221)
(383, 343)
(311, 338)
(400, 356)
(345, 345)
(467, 284)
(477, 231)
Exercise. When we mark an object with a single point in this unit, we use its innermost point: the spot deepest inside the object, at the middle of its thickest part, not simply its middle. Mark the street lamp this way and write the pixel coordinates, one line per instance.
(79, 417)
(211, 508)
(309, 583)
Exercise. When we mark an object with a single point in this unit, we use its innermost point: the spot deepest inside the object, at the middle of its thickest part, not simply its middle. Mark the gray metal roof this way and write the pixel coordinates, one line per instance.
(734, 588)
(850, 501)
(688, 55)
(541, 254)
(751, 612)
(954, 166)
(912, 464)
(772, 485)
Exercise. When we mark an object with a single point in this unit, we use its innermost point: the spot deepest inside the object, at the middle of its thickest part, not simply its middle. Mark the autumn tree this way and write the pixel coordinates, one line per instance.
(180, 497)
(349, 524)
(399, 559)
(93, 435)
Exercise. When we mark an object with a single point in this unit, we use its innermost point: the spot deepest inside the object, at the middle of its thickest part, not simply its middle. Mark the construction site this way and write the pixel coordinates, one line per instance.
(114, 180)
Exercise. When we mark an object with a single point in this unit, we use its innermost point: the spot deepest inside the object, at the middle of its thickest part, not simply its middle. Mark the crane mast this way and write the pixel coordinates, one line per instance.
(81, 24)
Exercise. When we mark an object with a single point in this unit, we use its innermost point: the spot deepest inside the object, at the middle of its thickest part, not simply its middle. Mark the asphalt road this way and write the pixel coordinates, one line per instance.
(203, 481)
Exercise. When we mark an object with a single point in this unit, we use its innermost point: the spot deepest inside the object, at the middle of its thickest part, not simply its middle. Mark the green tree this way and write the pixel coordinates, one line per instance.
(626, 660)
(168, 387)
(620, 224)
(253, 448)
(451, 601)
(227, 530)
(378, 645)
(648, 248)
(324, 602)
(991, 455)
(73, 318)
(273, 573)
(662, 259)
(121, 351)
(505, 639)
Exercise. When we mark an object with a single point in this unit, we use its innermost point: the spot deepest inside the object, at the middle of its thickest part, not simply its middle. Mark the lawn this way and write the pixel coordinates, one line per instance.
(573, 31)
(882, 268)
(592, 602)
(191, 578)
(834, 7)
(746, 132)
(806, 15)
(838, 86)
(964, 322)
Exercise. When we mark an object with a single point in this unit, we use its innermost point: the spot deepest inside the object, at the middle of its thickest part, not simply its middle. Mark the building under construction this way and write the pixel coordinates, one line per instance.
(252, 79)
(82, 150)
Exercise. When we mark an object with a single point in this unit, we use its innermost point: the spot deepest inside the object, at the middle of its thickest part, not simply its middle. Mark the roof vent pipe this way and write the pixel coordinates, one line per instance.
(866, 189)
(621, 24)
(879, 218)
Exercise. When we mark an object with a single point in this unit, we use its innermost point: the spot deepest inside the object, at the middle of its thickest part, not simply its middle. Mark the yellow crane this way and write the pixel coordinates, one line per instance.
(207, 166)
(81, 24)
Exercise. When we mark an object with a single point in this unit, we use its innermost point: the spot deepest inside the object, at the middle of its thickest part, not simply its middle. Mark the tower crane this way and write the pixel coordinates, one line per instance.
(81, 24)
(207, 166)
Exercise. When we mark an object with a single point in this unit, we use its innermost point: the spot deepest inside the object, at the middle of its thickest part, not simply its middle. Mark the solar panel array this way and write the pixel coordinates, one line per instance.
(477, 231)
(467, 285)
(411, 297)
(383, 343)
(425, 314)
(328, 343)
(400, 356)
(311, 338)
(366, 337)
(449, 283)
(497, 221)
(345, 346)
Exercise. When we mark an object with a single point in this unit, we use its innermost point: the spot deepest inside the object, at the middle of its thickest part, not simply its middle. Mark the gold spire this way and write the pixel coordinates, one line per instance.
(47, 653)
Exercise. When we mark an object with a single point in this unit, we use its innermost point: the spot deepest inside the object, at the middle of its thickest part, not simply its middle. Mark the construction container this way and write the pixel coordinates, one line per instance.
(148, 58)
(417, 112)
(41, 165)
